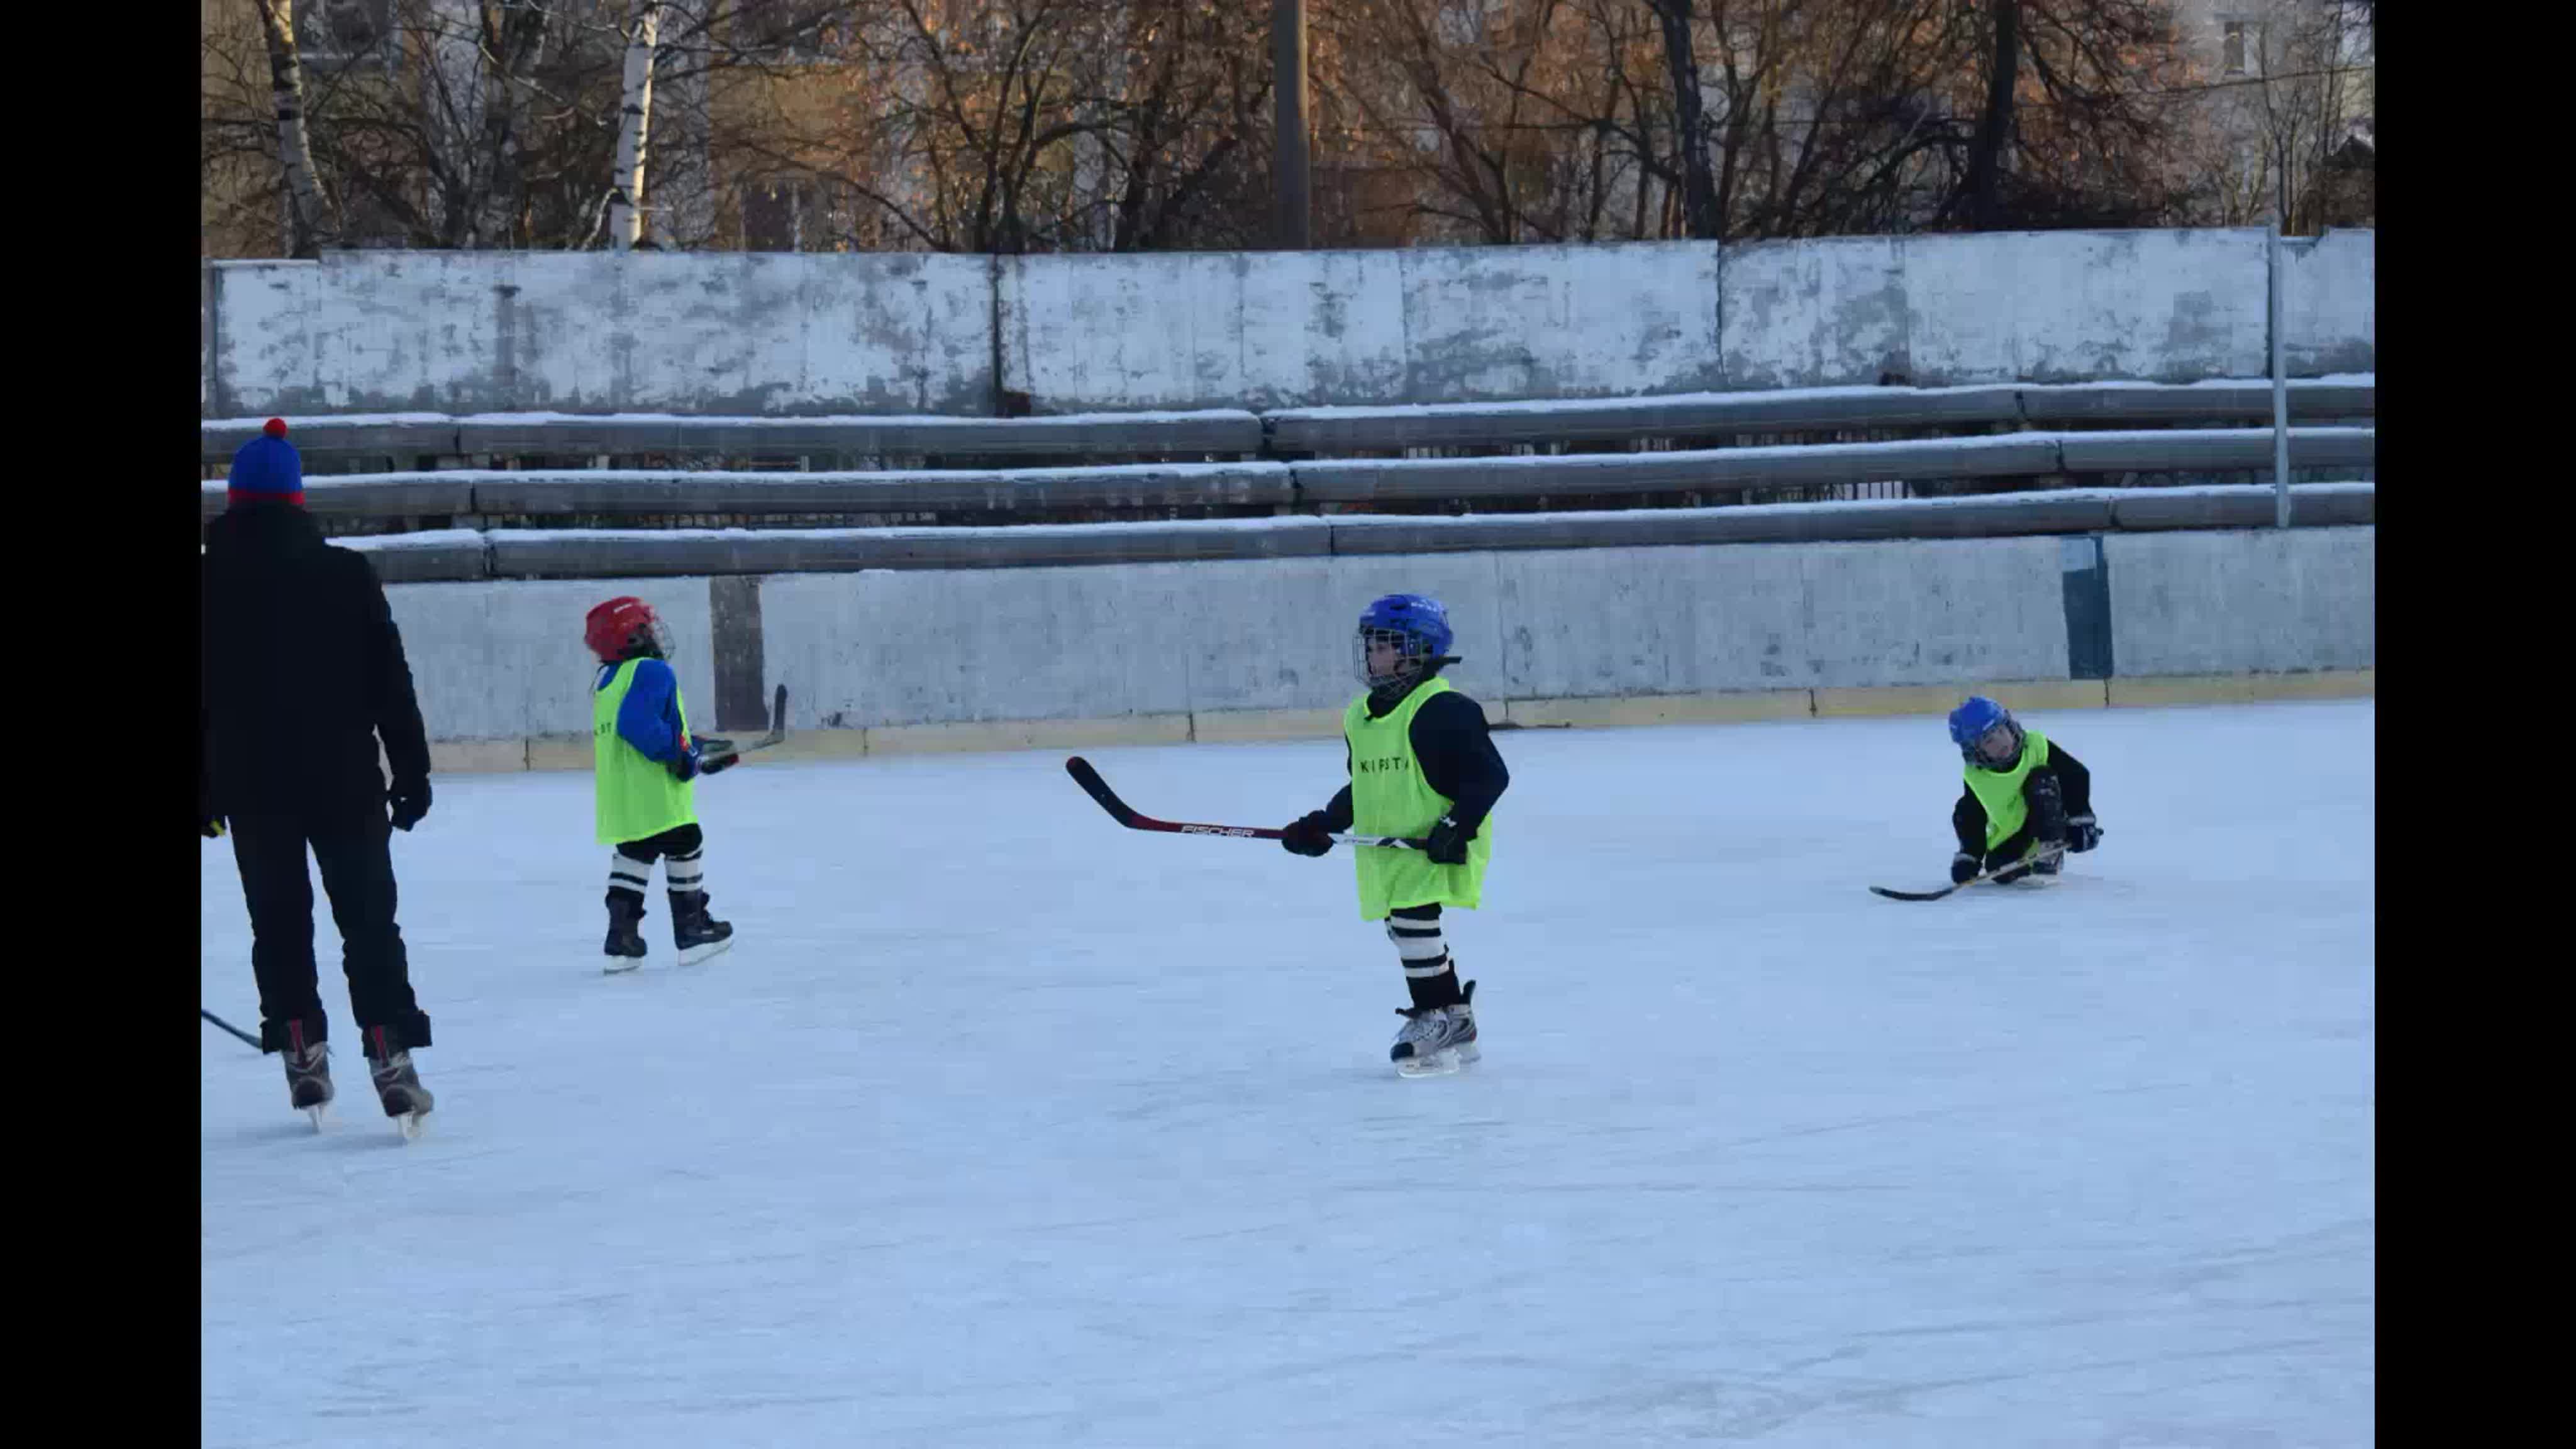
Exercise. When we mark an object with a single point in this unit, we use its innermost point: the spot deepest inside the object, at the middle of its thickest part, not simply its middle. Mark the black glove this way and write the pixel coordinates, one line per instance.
(685, 764)
(2082, 834)
(409, 801)
(1447, 842)
(1963, 868)
(1308, 834)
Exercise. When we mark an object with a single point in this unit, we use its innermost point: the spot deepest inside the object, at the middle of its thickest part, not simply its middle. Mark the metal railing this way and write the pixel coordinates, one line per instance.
(2004, 459)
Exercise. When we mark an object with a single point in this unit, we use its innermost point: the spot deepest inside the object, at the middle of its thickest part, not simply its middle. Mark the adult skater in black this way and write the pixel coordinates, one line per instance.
(300, 671)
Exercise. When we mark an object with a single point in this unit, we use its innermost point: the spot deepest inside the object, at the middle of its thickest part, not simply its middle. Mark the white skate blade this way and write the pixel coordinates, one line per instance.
(620, 965)
(408, 1124)
(707, 952)
(316, 1114)
(1442, 1063)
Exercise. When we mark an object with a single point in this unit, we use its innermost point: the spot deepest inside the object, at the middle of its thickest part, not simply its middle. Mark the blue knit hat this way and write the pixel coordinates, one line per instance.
(267, 469)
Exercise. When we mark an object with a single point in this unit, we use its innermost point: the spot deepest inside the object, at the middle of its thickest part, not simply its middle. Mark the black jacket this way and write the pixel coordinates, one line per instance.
(1450, 738)
(300, 668)
(2074, 787)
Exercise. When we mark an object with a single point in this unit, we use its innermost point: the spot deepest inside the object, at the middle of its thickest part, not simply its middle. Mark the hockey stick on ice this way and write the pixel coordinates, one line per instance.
(2051, 853)
(1098, 789)
(228, 1026)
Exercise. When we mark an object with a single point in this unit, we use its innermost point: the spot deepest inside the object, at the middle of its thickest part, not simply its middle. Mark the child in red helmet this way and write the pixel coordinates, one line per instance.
(643, 760)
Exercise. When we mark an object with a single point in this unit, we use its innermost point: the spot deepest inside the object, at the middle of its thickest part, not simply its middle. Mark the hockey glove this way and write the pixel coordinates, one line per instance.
(686, 763)
(1963, 868)
(1307, 835)
(1447, 842)
(2082, 834)
(408, 802)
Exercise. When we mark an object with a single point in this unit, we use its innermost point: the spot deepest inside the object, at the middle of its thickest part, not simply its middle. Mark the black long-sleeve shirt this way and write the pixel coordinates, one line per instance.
(2074, 787)
(1450, 738)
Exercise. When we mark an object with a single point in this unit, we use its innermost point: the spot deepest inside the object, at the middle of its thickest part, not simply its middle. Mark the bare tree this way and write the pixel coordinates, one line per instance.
(2280, 131)
(634, 122)
(295, 154)
(1690, 132)
(1034, 125)
(1979, 196)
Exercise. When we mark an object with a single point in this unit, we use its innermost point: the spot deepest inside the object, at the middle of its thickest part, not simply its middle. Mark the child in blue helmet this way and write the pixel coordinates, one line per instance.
(1423, 766)
(2024, 795)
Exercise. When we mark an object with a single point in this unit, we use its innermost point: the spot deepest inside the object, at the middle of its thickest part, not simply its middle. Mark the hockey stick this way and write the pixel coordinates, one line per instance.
(725, 749)
(2053, 852)
(1098, 789)
(228, 1026)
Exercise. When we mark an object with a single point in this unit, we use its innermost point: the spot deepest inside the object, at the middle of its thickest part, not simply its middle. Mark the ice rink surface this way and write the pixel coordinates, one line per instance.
(1001, 1125)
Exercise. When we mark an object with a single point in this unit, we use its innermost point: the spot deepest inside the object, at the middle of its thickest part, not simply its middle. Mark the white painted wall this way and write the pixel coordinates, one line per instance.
(504, 659)
(2253, 601)
(730, 333)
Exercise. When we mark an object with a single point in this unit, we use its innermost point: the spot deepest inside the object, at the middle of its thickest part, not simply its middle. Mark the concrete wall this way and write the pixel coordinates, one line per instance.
(1623, 621)
(1275, 329)
(2162, 306)
(2259, 601)
(1239, 639)
(730, 333)
(594, 332)
(2330, 303)
(506, 661)
(880, 649)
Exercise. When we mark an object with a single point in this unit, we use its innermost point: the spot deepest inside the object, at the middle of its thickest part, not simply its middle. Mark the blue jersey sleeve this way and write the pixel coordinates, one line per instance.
(649, 717)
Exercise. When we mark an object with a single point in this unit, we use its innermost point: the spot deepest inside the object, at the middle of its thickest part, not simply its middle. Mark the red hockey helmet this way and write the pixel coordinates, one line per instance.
(624, 627)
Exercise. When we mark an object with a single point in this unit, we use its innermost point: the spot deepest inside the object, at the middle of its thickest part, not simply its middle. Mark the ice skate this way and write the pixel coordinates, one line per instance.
(308, 1080)
(1436, 1040)
(694, 932)
(625, 945)
(398, 1088)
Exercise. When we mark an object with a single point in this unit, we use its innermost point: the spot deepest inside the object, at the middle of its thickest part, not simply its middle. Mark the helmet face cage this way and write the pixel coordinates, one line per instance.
(1980, 723)
(1998, 747)
(1415, 628)
(625, 627)
(1413, 654)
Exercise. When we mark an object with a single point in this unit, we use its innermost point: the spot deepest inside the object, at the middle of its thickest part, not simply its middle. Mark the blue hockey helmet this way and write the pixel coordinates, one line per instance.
(1986, 733)
(1417, 626)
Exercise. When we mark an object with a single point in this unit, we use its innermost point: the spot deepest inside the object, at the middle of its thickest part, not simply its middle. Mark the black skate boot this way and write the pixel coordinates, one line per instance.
(1436, 1040)
(697, 934)
(308, 1073)
(625, 946)
(2048, 821)
(397, 1083)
